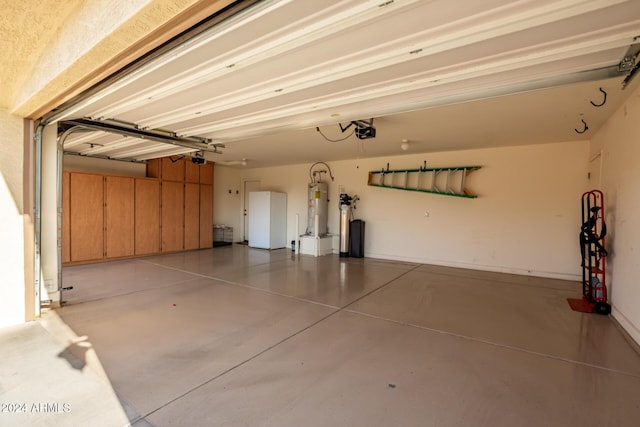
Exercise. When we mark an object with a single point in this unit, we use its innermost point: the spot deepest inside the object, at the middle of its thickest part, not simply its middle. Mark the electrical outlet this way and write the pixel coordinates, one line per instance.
(48, 284)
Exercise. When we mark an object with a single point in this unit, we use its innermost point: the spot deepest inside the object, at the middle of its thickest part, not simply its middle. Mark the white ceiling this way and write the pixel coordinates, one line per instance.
(443, 74)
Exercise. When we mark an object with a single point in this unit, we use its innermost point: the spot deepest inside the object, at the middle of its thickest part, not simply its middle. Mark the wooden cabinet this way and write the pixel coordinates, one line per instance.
(206, 216)
(147, 216)
(191, 171)
(198, 203)
(154, 168)
(172, 212)
(119, 216)
(110, 216)
(191, 216)
(172, 169)
(180, 170)
(86, 198)
(206, 173)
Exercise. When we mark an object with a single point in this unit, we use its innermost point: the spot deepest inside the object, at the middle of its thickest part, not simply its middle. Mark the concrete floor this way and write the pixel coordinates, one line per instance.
(234, 336)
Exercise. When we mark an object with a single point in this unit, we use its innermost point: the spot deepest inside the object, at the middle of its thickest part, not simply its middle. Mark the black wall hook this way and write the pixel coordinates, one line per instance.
(603, 101)
(586, 128)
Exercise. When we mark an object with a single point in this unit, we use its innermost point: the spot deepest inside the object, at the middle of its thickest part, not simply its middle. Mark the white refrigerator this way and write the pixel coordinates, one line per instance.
(267, 219)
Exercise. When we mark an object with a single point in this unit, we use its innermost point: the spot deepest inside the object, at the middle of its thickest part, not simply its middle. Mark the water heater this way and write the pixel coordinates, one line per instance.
(318, 205)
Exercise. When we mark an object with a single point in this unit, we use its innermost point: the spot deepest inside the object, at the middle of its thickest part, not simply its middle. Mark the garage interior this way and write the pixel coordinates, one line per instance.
(456, 315)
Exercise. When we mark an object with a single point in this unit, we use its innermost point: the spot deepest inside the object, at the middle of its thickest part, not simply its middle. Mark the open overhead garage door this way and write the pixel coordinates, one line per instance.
(263, 67)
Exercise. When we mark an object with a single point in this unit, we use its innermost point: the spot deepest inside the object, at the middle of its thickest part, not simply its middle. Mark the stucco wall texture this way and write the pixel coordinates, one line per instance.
(48, 45)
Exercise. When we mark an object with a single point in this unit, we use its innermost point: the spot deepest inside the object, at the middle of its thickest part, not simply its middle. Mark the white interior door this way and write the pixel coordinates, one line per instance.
(249, 186)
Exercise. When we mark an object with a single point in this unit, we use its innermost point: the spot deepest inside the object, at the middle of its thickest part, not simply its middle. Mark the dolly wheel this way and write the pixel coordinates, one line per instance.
(602, 308)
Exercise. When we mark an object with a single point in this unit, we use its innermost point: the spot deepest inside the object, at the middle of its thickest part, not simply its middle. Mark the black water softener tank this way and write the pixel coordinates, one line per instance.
(356, 238)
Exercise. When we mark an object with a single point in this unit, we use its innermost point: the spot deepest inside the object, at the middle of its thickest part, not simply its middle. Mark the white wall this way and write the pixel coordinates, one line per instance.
(525, 220)
(227, 205)
(12, 284)
(619, 141)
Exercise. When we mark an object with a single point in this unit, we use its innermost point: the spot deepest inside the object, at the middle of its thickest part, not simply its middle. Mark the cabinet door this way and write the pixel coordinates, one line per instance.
(191, 171)
(119, 216)
(191, 216)
(86, 216)
(172, 216)
(147, 217)
(154, 168)
(66, 215)
(172, 169)
(206, 216)
(206, 174)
